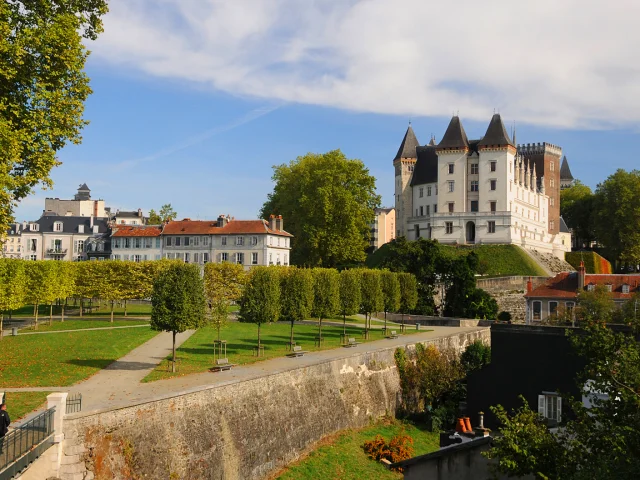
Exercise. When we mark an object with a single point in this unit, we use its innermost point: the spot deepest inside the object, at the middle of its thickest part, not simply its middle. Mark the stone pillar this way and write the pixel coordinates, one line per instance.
(59, 401)
(1, 397)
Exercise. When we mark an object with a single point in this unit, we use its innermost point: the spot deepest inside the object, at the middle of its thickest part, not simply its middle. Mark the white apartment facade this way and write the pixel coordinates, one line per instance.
(136, 243)
(476, 191)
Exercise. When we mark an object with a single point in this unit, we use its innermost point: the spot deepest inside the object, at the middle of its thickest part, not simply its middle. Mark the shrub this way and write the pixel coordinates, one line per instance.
(399, 448)
(476, 356)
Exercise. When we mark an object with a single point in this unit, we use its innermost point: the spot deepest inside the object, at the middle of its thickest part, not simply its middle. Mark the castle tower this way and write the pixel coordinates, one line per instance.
(566, 179)
(452, 168)
(546, 158)
(404, 164)
(84, 193)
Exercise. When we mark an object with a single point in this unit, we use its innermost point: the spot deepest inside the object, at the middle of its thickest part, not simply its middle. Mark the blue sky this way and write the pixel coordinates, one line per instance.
(195, 100)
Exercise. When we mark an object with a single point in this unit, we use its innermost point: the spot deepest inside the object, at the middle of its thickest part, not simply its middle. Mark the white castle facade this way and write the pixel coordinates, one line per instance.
(485, 191)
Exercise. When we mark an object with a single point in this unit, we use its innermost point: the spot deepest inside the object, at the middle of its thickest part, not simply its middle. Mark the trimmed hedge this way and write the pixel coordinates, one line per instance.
(593, 263)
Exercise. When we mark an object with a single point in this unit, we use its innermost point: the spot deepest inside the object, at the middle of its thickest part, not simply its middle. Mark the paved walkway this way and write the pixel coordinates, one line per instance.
(82, 329)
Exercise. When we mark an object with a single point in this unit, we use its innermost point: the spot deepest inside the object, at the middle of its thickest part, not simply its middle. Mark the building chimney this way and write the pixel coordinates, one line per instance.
(279, 225)
(272, 222)
(581, 276)
(140, 212)
(529, 285)
(222, 221)
(91, 222)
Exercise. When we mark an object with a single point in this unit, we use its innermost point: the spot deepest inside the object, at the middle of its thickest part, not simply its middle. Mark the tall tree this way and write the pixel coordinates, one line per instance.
(260, 301)
(167, 213)
(66, 284)
(43, 88)
(576, 207)
(177, 302)
(86, 284)
(350, 294)
(112, 278)
(41, 278)
(326, 294)
(13, 285)
(617, 216)
(223, 283)
(328, 202)
(408, 293)
(458, 275)
(596, 305)
(371, 293)
(296, 296)
(390, 293)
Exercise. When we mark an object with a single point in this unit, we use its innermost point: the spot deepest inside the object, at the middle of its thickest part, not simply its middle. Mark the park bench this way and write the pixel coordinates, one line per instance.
(222, 364)
(351, 342)
(297, 352)
(393, 334)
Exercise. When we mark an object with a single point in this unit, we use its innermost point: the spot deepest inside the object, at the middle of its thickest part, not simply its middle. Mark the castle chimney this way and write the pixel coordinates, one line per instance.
(529, 285)
(581, 276)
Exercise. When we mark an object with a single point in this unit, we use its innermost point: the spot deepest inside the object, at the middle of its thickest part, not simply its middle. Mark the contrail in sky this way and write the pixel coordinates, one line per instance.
(249, 117)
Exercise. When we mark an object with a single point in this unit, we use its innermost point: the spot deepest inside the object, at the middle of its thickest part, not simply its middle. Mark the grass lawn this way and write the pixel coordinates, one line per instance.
(20, 404)
(77, 324)
(342, 457)
(64, 358)
(196, 354)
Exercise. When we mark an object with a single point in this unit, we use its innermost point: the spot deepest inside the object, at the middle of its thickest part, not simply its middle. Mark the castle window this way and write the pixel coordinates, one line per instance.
(552, 224)
(421, 192)
(492, 166)
(428, 191)
(492, 206)
(474, 185)
(421, 211)
(552, 201)
(448, 227)
(451, 206)
(451, 184)
(493, 184)
(491, 227)
(551, 166)
(474, 169)
(451, 167)
(428, 210)
(436, 189)
(435, 208)
(552, 183)
(417, 231)
(474, 205)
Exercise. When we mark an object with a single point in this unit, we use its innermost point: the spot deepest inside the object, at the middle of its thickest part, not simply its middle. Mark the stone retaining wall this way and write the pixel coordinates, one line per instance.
(242, 430)
(509, 293)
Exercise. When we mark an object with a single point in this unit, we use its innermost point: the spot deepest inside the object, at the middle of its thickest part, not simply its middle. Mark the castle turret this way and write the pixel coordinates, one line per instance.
(404, 164)
(566, 179)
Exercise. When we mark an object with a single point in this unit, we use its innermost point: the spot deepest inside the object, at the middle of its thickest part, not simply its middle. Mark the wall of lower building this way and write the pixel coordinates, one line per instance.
(244, 429)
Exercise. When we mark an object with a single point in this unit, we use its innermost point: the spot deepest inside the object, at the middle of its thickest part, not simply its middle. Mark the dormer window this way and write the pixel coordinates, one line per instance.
(625, 288)
(95, 229)
(80, 228)
(35, 227)
(609, 287)
(591, 287)
(57, 226)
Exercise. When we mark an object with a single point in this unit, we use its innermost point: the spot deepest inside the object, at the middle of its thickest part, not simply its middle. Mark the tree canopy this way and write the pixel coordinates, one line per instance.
(327, 202)
(576, 208)
(43, 88)
(165, 214)
(260, 302)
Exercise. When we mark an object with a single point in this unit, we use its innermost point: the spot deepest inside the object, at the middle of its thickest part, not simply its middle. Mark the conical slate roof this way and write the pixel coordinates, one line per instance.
(455, 136)
(565, 172)
(83, 187)
(496, 133)
(408, 146)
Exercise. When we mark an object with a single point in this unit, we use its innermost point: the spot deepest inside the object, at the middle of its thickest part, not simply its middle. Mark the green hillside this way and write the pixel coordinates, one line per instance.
(593, 263)
(495, 260)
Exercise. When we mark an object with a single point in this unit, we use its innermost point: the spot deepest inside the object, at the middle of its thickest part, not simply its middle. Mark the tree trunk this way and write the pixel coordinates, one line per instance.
(173, 361)
(62, 313)
(1, 325)
(35, 310)
(385, 322)
(402, 316)
(51, 314)
(344, 324)
(320, 328)
(81, 303)
(36, 318)
(125, 308)
(259, 339)
(291, 337)
(112, 304)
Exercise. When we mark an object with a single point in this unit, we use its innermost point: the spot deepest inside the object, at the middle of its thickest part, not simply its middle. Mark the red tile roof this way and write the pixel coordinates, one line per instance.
(565, 285)
(210, 227)
(136, 231)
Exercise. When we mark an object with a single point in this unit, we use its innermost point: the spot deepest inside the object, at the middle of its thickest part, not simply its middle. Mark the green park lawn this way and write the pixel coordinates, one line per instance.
(20, 404)
(77, 324)
(196, 354)
(63, 359)
(341, 456)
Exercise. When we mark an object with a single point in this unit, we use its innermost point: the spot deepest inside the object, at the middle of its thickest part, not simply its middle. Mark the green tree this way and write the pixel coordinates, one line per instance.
(43, 88)
(66, 284)
(326, 294)
(390, 293)
(350, 295)
(475, 356)
(408, 293)
(458, 275)
(153, 218)
(371, 294)
(596, 305)
(41, 278)
(112, 278)
(598, 441)
(328, 202)
(576, 207)
(86, 284)
(630, 311)
(13, 285)
(167, 213)
(617, 216)
(260, 301)
(296, 296)
(223, 283)
(177, 302)
(481, 305)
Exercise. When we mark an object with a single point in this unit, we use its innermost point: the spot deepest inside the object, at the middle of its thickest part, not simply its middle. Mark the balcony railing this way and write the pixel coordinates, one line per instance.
(56, 251)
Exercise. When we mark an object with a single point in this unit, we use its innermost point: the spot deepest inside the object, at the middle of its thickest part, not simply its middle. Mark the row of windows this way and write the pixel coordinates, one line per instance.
(204, 241)
(553, 308)
(136, 242)
(421, 191)
(473, 168)
(448, 227)
(134, 258)
(426, 210)
(238, 257)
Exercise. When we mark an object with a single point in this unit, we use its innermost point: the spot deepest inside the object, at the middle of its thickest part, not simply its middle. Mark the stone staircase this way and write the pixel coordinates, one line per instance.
(73, 465)
(551, 264)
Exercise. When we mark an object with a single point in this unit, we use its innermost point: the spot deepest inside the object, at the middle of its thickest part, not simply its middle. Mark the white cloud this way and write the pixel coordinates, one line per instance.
(565, 63)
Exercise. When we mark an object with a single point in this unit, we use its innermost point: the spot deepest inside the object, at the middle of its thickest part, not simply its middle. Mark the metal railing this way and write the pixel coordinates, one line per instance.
(74, 403)
(22, 446)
